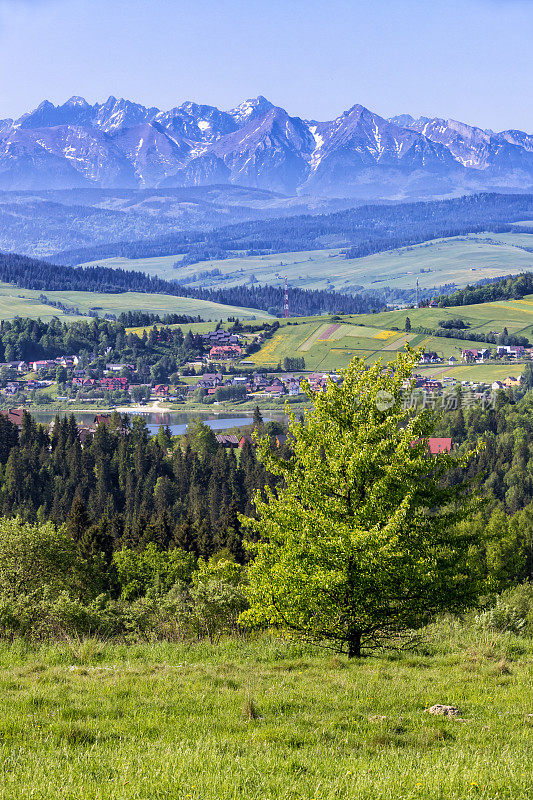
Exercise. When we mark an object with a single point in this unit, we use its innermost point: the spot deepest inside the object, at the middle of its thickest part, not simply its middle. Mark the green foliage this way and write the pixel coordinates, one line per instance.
(218, 597)
(453, 323)
(46, 615)
(230, 393)
(512, 612)
(358, 544)
(294, 363)
(201, 438)
(38, 557)
(511, 287)
(151, 570)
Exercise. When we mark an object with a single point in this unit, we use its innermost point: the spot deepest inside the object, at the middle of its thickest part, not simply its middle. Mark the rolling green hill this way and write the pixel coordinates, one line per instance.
(329, 343)
(16, 302)
(459, 260)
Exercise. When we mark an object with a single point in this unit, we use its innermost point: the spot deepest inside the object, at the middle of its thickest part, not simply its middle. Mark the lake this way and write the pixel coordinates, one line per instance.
(176, 421)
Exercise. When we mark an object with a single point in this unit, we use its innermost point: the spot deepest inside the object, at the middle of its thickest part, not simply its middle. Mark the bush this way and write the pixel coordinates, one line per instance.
(35, 556)
(152, 570)
(41, 615)
(217, 597)
(512, 611)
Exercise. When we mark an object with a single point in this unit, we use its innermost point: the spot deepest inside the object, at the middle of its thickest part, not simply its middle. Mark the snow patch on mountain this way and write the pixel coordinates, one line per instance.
(120, 143)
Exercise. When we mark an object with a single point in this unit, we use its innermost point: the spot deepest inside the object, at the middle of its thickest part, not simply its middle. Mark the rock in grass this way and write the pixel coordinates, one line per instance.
(444, 711)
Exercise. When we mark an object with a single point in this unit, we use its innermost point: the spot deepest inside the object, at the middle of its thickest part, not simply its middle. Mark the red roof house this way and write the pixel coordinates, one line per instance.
(437, 444)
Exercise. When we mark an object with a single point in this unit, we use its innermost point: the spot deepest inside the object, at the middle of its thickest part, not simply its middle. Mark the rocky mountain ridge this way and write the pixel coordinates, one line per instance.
(122, 144)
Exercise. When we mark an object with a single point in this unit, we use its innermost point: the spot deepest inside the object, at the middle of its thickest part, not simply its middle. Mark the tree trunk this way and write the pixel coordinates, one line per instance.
(354, 645)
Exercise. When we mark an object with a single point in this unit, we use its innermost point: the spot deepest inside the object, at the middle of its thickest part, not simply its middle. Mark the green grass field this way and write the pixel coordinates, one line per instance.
(461, 260)
(15, 302)
(476, 373)
(266, 721)
(161, 266)
(371, 336)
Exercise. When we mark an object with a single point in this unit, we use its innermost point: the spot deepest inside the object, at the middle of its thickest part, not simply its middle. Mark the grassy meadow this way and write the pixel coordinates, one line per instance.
(459, 259)
(329, 343)
(16, 302)
(267, 720)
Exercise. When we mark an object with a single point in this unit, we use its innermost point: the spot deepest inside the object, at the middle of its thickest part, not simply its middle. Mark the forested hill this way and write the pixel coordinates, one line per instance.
(512, 287)
(362, 231)
(30, 273)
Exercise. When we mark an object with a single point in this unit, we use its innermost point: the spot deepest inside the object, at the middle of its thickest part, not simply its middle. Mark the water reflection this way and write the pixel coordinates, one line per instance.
(176, 421)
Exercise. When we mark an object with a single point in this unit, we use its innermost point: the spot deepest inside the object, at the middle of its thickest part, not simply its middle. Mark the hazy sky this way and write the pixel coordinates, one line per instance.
(467, 59)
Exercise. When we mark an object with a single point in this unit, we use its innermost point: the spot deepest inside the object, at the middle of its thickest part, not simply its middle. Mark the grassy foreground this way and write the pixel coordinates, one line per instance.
(266, 719)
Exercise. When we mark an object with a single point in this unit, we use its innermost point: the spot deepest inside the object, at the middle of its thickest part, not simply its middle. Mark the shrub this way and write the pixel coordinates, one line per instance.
(512, 611)
(151, 569)
(34, 556)
(217, 597)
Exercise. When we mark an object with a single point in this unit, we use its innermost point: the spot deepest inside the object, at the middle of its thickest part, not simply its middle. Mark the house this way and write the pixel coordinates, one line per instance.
(225, 351)
(114, 384)
(274, 390)
(452, 360)
(293, 388)
(437, 445)
(511, 351)
(244, 439)
(81, 381)
(512, 381)
(430, 358)
(429, 384)
(210, 380)
(42, 364)
(119, 367)
(281, 438)
(475, 355)
(84, 433)
(69, 362)
(161, 390)
(220, 337)
(227, 439)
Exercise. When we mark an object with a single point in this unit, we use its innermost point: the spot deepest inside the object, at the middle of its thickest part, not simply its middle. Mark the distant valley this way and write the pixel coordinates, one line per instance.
(43, 222)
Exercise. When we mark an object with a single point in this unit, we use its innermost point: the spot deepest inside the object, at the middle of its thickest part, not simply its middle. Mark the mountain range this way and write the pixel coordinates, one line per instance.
(122, 144)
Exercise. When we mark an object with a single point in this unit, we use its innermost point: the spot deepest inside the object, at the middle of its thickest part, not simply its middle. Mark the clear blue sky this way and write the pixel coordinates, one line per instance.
(467, 59)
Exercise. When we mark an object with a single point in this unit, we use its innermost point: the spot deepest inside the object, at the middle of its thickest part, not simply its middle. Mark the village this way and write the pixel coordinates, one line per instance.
(224, 372)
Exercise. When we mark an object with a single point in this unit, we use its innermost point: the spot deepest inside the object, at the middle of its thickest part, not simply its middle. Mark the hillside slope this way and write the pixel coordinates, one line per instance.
(329, 343)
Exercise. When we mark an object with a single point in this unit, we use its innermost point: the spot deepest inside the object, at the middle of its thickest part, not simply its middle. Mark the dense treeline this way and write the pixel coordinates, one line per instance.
(364, 230)
(29, 273)
(139, 536)
(96, 342)
(124, 488)
(472, 336)
(512, 287)
(503, 469)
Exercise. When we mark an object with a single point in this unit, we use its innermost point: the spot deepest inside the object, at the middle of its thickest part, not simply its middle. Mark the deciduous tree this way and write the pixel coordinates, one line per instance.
(357, 544)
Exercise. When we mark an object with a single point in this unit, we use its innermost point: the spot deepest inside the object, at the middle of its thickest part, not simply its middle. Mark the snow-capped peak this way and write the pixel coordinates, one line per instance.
(79, 102)
(251, 108)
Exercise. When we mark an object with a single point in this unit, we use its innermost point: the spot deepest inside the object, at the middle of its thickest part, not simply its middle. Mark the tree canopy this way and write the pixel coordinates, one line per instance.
(357, 542)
